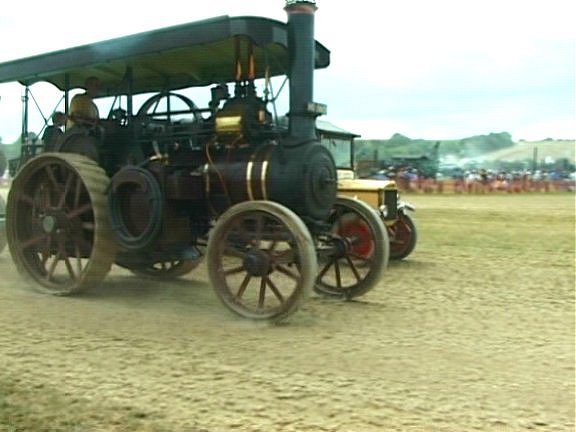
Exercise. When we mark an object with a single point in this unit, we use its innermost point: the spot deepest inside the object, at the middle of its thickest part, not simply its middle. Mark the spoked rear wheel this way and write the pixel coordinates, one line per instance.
(358, 252)
(57, 223)
(261, 260)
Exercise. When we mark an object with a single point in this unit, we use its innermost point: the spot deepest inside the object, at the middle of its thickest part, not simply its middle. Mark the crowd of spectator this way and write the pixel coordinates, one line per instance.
(479, 181)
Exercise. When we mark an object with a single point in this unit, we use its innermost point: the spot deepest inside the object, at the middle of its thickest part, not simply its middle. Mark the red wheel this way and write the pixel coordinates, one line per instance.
(351, 226)
(403, 236)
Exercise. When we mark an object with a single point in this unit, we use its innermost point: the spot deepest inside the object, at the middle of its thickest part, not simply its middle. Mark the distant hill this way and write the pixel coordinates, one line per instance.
(494, 151)
(402, 146)
(545, 150)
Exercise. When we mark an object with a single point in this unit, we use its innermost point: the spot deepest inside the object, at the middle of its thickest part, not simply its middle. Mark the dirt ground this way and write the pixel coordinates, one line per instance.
(474, 331)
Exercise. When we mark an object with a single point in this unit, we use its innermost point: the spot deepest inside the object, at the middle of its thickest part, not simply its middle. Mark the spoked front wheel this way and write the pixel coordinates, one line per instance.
(57, 223)
(357, 253)
(403, 236)
(261, 260)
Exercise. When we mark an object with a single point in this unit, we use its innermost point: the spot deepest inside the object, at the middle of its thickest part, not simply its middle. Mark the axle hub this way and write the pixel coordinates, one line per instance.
(53, 221)
(257, 263)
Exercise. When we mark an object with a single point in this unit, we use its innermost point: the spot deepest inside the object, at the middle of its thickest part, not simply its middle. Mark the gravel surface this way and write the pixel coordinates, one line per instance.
(474, 331)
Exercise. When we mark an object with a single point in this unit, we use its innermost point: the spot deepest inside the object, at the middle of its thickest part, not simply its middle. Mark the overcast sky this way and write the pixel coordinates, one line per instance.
(441, 69)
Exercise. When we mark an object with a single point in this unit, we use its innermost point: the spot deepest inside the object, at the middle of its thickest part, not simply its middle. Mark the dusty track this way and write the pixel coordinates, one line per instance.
(475, 331)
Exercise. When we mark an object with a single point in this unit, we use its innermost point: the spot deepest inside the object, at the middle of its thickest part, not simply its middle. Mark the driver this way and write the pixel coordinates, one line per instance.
(83, 111)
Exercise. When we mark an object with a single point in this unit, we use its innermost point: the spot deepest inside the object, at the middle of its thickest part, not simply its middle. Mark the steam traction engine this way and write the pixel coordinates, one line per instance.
(156, 190)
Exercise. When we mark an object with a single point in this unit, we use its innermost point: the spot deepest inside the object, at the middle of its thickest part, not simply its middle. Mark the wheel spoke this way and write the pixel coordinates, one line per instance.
(79, 211)
(64, 193)
(353, 268)
(45, 252)
(78, 259)
(52, 268)
(288, 272)
(405, 227)
(284, 257)
(275, 289)
(262, 292)
(272, 246)
(33, 241)
(243, 286)
(231, 251)
(62, 252)
(44, 199)
(51, 176)
(77, 192)
(326, 268)
(69, 268)
(258, 229)
(234, 270)
(338, 276)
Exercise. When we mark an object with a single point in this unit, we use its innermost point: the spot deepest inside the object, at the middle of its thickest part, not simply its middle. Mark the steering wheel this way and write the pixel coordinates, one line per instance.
(154, 109)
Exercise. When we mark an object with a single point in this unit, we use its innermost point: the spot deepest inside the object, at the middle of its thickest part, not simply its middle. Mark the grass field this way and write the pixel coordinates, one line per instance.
(474, 331)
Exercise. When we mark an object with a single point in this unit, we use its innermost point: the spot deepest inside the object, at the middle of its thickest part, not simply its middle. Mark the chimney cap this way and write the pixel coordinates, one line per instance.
(296, 2)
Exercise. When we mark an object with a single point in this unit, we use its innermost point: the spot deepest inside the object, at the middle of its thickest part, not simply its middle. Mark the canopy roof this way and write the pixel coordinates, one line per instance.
(188, 55)
(324, 126)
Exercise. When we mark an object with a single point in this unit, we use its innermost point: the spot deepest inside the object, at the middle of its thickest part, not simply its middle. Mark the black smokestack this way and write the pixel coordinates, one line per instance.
(301, 46)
